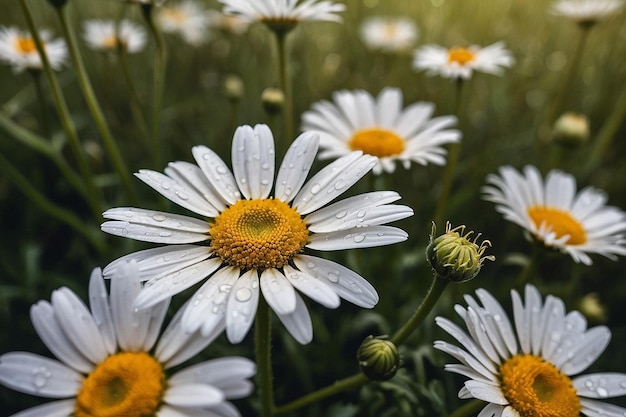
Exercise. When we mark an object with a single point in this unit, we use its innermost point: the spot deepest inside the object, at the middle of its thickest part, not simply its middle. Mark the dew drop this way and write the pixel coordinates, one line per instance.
(316, 189)
(225, 287)
(243, 180)
(339, 185)
(221, 170)
(243, 294)
(265, 166)
(288, 191)
(255, 284)
(359, 238)
(158, 217)
(215, 309)
(310, 265)
(265, 182)
(333, 276)
(341, 214)
(40, 377)
(166, 185)
(361, 214)
(602, 392)
(165, 234)
(182, 195)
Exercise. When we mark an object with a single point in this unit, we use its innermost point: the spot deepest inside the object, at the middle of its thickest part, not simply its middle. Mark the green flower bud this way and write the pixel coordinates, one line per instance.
(453, 256)
(571, 130)
(273, 100)
(233, 87)
(378, 358)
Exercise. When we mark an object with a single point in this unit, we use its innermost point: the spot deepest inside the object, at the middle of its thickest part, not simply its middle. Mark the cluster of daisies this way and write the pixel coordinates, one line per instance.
(256, 224)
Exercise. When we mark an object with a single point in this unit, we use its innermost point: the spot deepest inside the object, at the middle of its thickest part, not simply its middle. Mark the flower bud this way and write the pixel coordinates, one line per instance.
(273, 100)
(571, 129)
(453, 256)
(591, 306)
(378, 358)
(233, 88)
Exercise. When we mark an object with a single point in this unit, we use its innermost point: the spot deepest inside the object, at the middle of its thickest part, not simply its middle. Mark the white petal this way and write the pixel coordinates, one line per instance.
(314, 288)
(491, 410)
(602, 385)
(594, 408)
(468, 343)
(298, 322)
(78, 324)
(277, 291)
(296, 165)
(38, 375)
(218, 174)
(51, 333)
(194, 178)
(63, 408)
(357, 237)
(242, 305)
(346, 283)
(587, 350)
(253, 160)
(101, 311)
(486, 392)
(333, 180)
(503, 324)
(220, 372)
(510, 412)
(193, 395)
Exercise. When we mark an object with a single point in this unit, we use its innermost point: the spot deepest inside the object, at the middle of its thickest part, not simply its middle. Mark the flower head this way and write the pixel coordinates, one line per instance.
(187, 18)
(104, 35)
(552, 212)
(18, 49)
(453, 256)
(112, 361)
(227, 23)
(389, 34)
(378, 358)
(586, 12)
(461, 62)
(528, 367)
(254, 243)
(381, 128)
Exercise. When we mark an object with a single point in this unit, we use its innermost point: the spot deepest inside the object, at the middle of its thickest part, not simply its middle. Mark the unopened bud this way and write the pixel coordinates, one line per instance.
(571, 130)
(273, 100)
(591, 306)
(453, 256)
(378, 358)
(233, 87)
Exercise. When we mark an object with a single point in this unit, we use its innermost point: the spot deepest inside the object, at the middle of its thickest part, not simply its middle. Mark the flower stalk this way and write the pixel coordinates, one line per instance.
(263, 354)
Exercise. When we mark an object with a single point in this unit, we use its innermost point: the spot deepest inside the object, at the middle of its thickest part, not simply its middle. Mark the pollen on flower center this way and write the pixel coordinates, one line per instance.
(536, 388)
(129, 384)
(258, 234)
(25, 45)
(460, 55)
(377, 142)
(559, 222)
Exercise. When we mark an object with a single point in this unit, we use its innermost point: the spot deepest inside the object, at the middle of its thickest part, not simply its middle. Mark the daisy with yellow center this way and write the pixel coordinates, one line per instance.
(389, 34)
(380, 127)
(554, 214)
(104, 35)
(283, 12)
(254, 243)
(462, 62)
(586, 12)
(186, 18)
(527, 368)
(18, 49)
(112, 362)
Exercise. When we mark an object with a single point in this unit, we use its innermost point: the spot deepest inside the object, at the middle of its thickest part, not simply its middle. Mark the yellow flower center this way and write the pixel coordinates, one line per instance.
(126, 384)
(25, 45)
(536, 388)
(110, 42)
(258, 234)
(460, 55)
(560, 222)
(377, 142)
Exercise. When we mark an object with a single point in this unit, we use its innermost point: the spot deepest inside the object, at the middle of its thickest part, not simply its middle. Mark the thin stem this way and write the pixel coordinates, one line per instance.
(434, 292)
(92, 196)
(468, 409)
(159, 80)
(133, 97)
(94, 106)
(45, 125)
(49, 207)
(345, 384)
(263, 353)
(285, 85)
(528, 269)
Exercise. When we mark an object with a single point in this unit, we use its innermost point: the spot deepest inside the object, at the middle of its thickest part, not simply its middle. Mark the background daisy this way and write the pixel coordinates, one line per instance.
(103, 35)
(389, 34)
(459, 62)
(575, 223)
(255, 241)
(380, 127)
(18, 49)
(110, 362)
(286, 10)
(586, 11)
(187, 18)
(528, 367)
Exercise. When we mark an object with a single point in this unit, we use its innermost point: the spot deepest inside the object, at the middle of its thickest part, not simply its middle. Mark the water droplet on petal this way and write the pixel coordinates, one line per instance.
(165, 234)
(182, 195)
(359, 238)
(361, 213)
(158, 217)
(341, 214)
(243, 294)
(339, 185)
(316, 189)
(333, 276)
(166, 185)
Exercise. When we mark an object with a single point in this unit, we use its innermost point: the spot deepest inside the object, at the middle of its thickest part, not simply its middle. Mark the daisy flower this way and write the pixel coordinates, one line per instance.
(554, 214)
(389, 34)
(283, 11)
(103, 35)
(227, 23)
(18, 49)
(111, 364)
(381, 128)
(253, 243)
(461, 62)
(528, 367)
(186, 18)
(586, 11)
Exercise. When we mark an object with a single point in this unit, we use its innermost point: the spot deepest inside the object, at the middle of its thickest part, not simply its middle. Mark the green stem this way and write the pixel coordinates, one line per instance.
(49, 207)
(285, 85)
(94, 106)
(92, 196)
(434, 292)
(528, 269)
(263, 353)
(45, 125)
(468, 409)
(159, 80)
(345, 384)
(133, 97)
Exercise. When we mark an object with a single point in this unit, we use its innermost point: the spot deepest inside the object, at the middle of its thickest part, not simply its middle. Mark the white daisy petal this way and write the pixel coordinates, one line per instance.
(37, 375)
(63, 408)
(486, 392)
(314, 288)
(298, 322)
(192, 176)
(193, 395)
(101, 311)
(491, 410)
(600, 385)
(296, 165)
(357, 237)
(278, 292)
(292, 10)
(242, 305)
(253, 160)
(594, 408)
(218, 174)
(587, 350)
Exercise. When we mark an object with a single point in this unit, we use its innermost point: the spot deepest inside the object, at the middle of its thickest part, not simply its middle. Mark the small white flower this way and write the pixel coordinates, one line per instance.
(18, 50)
(578, 224)
(112, 361)
(103, 35)
(586, 11)
(380, 127)
(227, 23)
(389, 34)
(283, 10)
(187, 18)
(461, 62)
(253, 243)
(528, 367)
